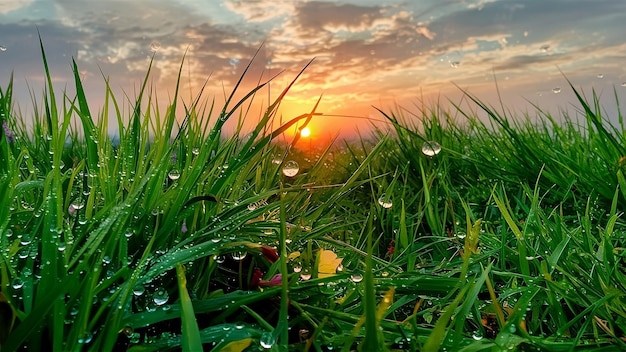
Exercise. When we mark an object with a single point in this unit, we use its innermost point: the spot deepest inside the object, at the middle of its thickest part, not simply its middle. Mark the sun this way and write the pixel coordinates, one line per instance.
(305, 132)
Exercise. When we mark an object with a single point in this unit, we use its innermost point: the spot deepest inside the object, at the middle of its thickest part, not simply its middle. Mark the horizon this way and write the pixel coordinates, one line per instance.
(391, 55)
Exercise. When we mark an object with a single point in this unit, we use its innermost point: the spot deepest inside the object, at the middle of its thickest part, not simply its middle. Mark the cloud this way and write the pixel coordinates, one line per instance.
(364, 50)
(13, 5)
(260, 10)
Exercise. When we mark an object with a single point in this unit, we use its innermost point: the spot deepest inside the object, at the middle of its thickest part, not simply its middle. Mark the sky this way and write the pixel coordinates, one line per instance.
(388, 54)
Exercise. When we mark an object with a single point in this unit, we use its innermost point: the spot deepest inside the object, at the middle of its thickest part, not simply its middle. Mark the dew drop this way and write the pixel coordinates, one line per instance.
(160, 297)
(600, 76)
(174, 174)
(356, 277)
(139, 290)
(431, 148)
(297, 269)
(477, 335)
(195, 151)
(17, 283)
(3, 48)
(155, 46)
(238, 256)
(305, 275)
(291, 168)
(556, 90)
(267, 340)
(78, 204)
(86, 338)
(544, 48)
(455, 64)
(25, 240)
(385, 201)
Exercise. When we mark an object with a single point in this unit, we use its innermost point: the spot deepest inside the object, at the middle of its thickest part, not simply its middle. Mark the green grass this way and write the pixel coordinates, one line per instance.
(502, 234)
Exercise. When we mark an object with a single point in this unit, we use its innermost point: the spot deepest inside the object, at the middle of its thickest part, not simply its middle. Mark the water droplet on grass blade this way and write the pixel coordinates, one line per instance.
(238, 256)
(385, 201)
(86, 338)
(139, 290)
(431, 148)
(291, 168)
(477, 335)
(17, 283)
(160, 297)
(174, 174)
(267, 340)
(25, 240)
(3, 48)
(556, 90)
(305, 275)
(356, 277)
(155, 46)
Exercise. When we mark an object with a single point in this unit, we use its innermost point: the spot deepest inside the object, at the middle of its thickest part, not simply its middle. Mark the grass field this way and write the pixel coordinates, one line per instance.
(446, 232)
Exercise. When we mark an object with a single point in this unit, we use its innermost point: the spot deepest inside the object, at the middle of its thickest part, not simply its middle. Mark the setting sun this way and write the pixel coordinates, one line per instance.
(305, 132)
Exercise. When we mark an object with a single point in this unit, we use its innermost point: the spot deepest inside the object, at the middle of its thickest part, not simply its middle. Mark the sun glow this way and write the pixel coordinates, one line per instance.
(305, 132)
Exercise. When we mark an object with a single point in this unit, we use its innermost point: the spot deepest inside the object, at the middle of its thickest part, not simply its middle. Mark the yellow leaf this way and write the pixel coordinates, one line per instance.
(293, 255)
(236, 346)
(385, 303)
(327, 263)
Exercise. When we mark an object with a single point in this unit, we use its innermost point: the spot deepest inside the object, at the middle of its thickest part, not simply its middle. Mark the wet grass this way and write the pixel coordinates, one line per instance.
(450, 232)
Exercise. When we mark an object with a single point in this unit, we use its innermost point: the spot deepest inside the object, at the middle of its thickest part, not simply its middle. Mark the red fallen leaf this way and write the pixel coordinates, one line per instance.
(391, 248)
(276, 280)
(269, 253)
(257, 274)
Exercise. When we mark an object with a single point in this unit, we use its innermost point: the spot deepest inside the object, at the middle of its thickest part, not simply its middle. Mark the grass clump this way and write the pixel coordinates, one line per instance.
(449, 233)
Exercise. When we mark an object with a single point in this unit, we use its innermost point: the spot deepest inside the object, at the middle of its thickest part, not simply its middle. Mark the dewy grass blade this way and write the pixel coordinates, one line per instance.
(89, 128)
(191, 340)
(504, 208)
(440, 331)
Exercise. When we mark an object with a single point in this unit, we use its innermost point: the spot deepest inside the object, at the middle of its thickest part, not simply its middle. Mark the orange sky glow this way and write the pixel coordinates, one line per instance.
(366, 54)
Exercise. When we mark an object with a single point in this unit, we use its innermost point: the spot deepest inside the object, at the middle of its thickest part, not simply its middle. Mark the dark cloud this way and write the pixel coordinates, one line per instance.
(316, 16)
